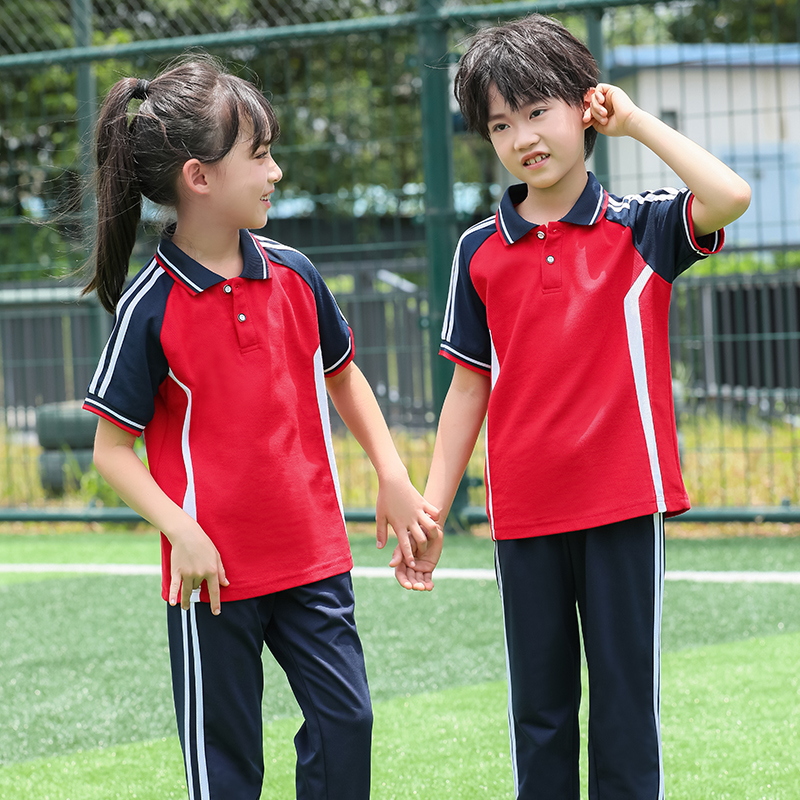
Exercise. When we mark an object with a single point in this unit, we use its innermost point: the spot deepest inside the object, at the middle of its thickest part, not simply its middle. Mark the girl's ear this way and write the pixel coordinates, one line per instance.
(195, 176)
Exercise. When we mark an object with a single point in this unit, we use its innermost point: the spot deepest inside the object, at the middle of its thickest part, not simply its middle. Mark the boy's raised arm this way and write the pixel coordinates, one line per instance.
(460, 423)
(720, 195)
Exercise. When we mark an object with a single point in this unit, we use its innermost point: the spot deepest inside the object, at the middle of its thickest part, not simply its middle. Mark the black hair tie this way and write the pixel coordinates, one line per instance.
(141, 89)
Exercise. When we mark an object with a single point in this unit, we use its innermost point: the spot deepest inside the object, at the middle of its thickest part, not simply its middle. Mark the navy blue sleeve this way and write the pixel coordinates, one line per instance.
(465, 333)
(662, 228)
(133, 364)
(335, 336)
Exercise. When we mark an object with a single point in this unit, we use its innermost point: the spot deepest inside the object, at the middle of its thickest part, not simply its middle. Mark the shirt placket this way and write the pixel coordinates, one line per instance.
(550, 258)
(242, 316)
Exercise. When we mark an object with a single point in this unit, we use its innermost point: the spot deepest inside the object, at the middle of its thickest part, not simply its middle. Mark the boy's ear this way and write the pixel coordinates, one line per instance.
(195, 176)
(587, 102)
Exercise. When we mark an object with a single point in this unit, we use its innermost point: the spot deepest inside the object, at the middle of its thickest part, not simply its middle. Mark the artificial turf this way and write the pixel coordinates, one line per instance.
(86, 703)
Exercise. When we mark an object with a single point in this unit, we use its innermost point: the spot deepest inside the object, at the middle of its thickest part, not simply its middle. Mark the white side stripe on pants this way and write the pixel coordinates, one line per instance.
(658, 605)
(193, 679)
(511, 731)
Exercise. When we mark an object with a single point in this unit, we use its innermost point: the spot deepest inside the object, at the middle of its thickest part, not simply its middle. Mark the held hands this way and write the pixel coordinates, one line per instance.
(411, 516)
(419, 577)
(195, 559)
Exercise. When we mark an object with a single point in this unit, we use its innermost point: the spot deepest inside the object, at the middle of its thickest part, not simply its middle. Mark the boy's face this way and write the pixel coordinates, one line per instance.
(541, 143)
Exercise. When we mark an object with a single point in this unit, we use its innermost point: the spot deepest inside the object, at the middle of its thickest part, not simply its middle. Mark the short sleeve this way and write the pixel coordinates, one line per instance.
(662, 228)
(335, 336)
(465, 332)
(133, 364)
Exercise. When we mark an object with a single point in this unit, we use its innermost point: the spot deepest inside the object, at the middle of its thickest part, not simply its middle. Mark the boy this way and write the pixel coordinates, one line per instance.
(557, 321)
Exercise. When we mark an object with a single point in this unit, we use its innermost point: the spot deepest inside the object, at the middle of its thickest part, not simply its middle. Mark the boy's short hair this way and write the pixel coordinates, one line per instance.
(532, 59)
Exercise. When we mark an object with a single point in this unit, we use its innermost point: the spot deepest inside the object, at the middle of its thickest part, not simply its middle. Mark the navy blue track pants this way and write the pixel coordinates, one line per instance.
(218, 681)
(612, 577)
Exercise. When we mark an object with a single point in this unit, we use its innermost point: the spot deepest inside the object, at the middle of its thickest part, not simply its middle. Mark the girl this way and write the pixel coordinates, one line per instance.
(221, 354)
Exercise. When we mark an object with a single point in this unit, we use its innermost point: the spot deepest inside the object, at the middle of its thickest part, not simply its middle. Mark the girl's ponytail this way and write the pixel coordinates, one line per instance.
(118, 192)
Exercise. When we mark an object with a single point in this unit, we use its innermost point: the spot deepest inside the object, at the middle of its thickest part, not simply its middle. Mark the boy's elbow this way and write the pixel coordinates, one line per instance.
(740, 200)
(730, 205)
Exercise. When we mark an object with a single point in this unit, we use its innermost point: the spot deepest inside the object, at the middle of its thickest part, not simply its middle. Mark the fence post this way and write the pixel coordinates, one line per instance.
(596, 43)
(87, 105)
(437, 162)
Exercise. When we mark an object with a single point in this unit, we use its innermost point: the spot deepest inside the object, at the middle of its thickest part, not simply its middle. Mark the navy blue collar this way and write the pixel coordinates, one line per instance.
(586, 211)
(194, 277)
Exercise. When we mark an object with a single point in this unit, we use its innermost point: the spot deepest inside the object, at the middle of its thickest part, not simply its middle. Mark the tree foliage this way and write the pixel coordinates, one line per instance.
(762, 21)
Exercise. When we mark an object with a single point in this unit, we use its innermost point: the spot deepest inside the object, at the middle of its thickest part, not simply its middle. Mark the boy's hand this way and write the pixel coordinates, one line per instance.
(195, 559)
(419, 578)
(411, 516)
(610, 110)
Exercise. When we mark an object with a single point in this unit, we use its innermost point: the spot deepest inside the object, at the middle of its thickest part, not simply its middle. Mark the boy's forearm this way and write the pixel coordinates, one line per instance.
(460, 423)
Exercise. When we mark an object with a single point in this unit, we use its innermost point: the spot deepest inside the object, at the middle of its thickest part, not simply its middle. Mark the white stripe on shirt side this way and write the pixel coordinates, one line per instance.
(124, 324)
(190, 497)
(322, 404)
(633, 324)
(489, 492)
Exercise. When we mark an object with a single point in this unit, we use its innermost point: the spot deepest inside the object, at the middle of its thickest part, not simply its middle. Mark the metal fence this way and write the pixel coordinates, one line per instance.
(379, 178)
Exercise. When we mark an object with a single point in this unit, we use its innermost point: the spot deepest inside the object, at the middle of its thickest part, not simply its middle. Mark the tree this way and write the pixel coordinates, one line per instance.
(763, 21)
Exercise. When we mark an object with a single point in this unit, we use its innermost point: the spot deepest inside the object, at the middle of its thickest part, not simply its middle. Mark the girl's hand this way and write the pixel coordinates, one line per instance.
(610, 110)
(411, 516)
(419, 578)
(195, 559)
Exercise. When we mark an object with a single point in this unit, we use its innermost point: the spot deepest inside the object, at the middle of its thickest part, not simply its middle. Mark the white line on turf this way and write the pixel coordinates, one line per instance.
(384, 572)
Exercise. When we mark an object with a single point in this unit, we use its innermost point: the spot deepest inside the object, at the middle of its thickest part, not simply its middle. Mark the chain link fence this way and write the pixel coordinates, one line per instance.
(380, 178)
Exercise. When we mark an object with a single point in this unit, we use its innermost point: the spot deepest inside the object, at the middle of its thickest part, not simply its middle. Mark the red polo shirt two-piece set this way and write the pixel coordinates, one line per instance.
(226, 378)
(570, 319)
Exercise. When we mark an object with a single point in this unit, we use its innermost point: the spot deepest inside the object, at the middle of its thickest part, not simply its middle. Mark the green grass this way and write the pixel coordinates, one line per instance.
(86, 699)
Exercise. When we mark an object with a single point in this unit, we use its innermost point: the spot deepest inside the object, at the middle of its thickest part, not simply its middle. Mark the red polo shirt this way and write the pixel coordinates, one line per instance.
(226, 378)
(571, 321)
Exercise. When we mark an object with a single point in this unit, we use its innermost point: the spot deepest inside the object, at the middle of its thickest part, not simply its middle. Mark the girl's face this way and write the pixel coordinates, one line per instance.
(243, 183)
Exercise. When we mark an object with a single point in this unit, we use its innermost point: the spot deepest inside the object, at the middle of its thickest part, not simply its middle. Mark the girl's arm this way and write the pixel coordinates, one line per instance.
(720, 195)
(194, 557)
(399, 503)
(460, 423)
